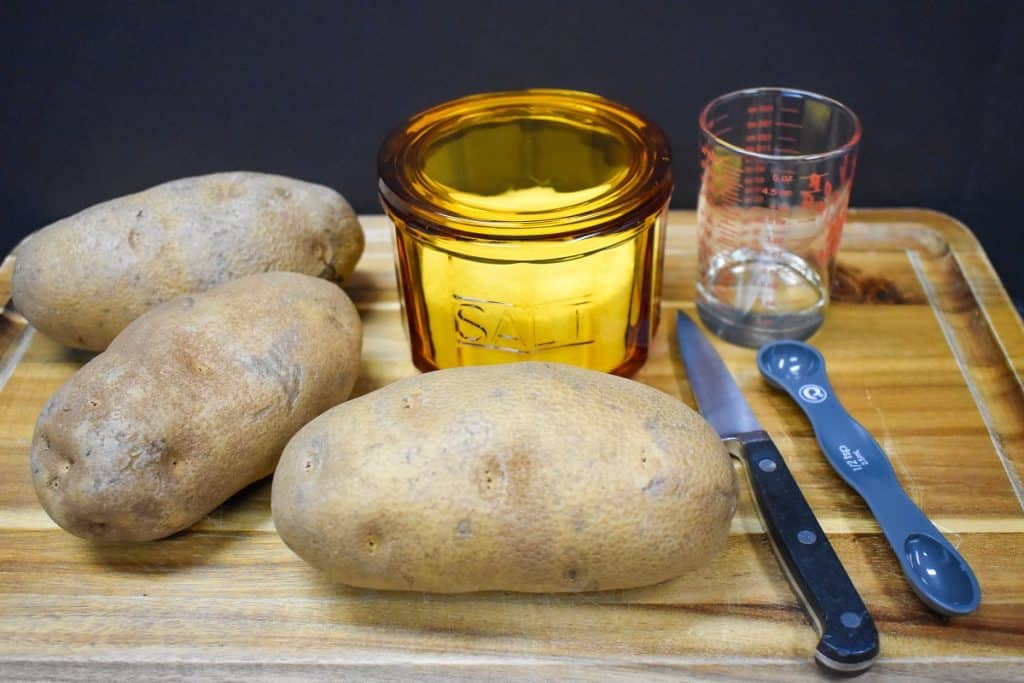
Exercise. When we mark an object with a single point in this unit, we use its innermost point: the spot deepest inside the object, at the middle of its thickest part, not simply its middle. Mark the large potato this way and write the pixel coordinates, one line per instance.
(82, 279)
(192, 402)
(524, 477)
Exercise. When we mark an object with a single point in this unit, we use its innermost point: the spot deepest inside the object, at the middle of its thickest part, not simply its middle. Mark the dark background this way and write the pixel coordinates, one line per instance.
(101, 99)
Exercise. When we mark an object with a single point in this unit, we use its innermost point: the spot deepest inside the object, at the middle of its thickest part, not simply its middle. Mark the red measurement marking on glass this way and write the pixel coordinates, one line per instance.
(789, 110)
(786, 124)
(765, 108)
(814, 180)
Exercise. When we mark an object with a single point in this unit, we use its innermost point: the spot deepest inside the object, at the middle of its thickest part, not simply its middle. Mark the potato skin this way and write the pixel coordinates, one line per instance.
(82, 279)
(192, 402)
(527, 477)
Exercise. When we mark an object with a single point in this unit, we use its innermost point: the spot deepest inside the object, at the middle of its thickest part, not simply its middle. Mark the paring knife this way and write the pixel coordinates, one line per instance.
(849, 640)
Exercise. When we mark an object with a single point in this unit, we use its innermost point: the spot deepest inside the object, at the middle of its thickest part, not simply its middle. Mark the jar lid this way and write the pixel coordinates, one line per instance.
(525, 164)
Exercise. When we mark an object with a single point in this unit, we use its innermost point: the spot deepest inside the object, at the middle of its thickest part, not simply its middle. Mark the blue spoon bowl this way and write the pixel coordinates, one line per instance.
(938, 573)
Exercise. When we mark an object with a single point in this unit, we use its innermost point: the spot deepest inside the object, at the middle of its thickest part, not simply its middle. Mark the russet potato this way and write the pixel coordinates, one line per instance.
(192, 402)
(82, 279)
(529, 477)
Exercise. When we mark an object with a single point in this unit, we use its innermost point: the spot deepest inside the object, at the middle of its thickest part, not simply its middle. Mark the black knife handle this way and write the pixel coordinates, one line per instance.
(849, 640)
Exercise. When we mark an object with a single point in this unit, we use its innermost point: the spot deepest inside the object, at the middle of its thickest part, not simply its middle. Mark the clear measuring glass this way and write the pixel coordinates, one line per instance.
(777, 166)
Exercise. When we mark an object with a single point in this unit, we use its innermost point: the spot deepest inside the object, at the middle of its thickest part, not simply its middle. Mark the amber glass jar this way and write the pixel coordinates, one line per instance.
(529, 225)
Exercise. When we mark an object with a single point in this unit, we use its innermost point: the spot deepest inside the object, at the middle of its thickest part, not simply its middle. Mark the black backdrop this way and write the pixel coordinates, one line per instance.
(101, 99)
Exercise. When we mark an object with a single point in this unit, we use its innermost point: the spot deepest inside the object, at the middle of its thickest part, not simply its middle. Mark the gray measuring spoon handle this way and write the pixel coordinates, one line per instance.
(922, 550)
(861, 462)
(851, 450)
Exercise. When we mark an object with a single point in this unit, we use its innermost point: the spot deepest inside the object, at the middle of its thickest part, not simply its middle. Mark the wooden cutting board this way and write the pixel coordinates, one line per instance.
(924, 348)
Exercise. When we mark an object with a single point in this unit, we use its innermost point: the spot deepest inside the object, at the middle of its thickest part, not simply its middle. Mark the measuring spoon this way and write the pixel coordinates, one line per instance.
(936, 571)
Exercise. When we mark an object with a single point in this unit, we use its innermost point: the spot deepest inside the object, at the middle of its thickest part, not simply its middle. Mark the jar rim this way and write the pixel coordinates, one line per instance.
(645, 186)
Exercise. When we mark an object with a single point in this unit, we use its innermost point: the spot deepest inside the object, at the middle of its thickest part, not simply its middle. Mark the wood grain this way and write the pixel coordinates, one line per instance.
(923, 346)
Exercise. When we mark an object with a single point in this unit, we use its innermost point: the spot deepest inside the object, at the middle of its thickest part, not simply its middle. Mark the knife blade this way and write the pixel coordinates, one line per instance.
(848, 638)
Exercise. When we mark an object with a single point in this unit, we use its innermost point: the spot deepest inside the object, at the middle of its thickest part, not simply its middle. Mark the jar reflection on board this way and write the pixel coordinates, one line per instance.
(529, 225)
